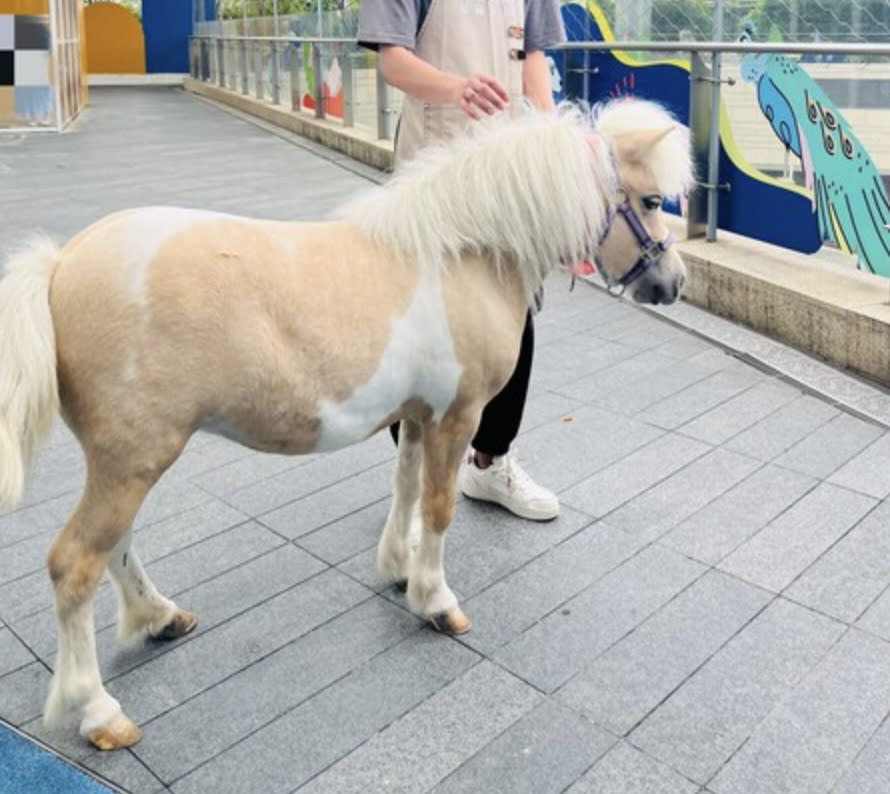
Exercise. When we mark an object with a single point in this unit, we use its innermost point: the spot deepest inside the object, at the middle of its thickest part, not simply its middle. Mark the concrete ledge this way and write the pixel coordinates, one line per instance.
(135, 79)
(356, 143)
(841, 316)
(836, 313)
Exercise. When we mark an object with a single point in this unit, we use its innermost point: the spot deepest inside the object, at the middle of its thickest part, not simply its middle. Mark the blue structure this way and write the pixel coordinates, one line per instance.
(168, 25)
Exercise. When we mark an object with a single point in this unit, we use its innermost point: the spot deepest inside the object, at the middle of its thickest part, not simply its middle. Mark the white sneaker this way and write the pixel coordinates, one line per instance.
(506, 483)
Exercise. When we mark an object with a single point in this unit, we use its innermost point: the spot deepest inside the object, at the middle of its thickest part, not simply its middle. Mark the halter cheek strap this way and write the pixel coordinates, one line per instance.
(650, 249)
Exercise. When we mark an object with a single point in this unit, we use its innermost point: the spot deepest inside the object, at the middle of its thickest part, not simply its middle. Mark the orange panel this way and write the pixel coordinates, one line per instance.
(115, 43)
(7, 104)
(82, 37)
(24, 6)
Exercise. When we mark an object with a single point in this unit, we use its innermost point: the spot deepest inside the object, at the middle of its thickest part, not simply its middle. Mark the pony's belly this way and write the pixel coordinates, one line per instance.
(298, 439)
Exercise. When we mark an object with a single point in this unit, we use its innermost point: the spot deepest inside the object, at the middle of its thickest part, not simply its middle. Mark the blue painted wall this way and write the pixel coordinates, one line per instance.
(168, 25)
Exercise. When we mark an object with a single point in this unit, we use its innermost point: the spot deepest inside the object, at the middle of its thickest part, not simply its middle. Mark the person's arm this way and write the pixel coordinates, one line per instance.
(536, 80)
(543, 29)
(475, 95)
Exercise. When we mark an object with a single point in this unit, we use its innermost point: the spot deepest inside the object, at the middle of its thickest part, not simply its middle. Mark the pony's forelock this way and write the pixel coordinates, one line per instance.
(669, 159)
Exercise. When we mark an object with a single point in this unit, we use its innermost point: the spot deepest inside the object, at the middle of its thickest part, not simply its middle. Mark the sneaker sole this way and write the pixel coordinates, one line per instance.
(531, 515)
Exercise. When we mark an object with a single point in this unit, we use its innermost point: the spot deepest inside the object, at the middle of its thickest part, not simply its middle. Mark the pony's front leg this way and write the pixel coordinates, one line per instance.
(395, 546)
(428, 592)
(141, 608)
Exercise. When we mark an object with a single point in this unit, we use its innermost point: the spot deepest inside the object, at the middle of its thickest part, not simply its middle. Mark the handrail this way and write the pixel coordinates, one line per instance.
(795, 48)
(284, 39)
(792, 47)
(701, 221)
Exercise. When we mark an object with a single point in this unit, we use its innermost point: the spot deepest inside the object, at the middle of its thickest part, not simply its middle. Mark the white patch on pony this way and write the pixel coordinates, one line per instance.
(76, 691)
(428, 592)
(141, 608)
(419, 362)
(394, 547)
(148, 230)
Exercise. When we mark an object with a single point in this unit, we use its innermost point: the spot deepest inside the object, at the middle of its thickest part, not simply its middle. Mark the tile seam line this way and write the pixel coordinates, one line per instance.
(324, 689)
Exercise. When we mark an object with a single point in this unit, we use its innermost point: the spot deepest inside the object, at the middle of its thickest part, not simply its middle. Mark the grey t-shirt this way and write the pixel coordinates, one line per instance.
(397, 22)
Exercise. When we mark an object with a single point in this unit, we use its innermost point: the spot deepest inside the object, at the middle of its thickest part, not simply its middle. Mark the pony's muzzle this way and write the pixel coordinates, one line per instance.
(662, 283)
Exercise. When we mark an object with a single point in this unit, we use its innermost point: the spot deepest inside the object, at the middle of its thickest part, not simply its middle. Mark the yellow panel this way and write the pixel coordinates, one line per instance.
(24, 6)
(115, 43)
(82, 38)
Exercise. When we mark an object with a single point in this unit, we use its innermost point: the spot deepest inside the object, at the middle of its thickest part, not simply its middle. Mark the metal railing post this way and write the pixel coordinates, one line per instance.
(699, 131)
(258, 67)
(276, 80)
(348, 91)
(245, 71)
(296, 92)
(220, 64)
(319, 81)
(384, 111)
(714, 139)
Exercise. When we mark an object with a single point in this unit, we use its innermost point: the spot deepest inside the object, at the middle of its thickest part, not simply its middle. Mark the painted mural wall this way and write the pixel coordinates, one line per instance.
(842, 200)
(41, 63)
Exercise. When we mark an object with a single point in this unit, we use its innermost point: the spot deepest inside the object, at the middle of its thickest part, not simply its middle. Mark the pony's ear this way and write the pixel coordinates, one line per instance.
(635, 146)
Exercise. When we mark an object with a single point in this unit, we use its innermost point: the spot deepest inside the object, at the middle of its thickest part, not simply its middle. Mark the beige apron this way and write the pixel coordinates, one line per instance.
(463, 37)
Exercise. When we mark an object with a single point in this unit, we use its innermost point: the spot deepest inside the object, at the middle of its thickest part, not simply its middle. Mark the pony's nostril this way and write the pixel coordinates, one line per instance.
(658, 293)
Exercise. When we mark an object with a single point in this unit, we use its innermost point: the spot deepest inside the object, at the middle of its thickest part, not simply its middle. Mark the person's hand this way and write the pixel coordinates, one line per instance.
(481, 94)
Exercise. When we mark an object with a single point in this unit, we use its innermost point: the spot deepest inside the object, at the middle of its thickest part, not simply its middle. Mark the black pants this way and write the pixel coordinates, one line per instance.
(502, 416)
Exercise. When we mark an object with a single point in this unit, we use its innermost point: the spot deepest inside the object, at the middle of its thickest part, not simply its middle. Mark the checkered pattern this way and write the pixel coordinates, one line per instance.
(26, 94)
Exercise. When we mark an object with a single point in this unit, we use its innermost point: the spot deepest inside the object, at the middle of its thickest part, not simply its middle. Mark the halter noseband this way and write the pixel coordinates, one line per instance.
(650, 250)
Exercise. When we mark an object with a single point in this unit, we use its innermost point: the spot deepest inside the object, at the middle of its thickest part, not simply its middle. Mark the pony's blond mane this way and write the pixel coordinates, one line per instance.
(533, 191)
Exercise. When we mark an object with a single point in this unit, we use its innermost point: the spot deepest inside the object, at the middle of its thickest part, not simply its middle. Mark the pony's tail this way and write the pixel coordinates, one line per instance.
(29, 393)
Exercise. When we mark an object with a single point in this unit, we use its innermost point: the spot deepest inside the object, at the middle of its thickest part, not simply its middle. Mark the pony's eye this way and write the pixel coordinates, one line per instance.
(652, 202)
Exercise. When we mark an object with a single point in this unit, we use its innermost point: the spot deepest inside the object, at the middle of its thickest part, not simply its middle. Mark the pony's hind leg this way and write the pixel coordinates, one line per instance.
(93, 537)
(394, 547)
(444, 445)
(76, 562)
(141, 608)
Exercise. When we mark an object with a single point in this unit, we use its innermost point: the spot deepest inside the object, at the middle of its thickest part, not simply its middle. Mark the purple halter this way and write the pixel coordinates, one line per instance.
(650, 250)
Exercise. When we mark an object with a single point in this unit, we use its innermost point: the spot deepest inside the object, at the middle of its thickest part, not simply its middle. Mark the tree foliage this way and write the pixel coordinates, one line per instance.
(234, 9)
(829, 20)
(804, 20)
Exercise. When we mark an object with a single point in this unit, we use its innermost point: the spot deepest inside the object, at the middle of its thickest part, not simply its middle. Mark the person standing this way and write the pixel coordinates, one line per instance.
(458, 61)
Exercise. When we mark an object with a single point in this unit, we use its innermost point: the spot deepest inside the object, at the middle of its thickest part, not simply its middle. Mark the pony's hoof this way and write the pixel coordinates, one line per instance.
(120, 732)
(181, 624)
(453, 622)
(401, 585)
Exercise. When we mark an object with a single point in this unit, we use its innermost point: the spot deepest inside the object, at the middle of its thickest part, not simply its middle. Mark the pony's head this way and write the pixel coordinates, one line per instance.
(652, 162)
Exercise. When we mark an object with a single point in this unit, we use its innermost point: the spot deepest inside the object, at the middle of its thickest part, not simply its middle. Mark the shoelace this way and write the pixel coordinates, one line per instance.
(516, 475)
